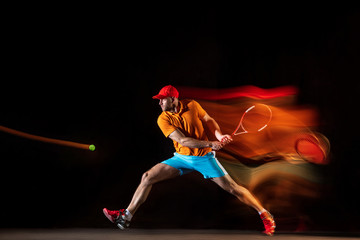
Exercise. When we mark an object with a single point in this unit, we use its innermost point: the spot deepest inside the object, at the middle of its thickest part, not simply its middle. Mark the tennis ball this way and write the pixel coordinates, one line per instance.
(92, 147)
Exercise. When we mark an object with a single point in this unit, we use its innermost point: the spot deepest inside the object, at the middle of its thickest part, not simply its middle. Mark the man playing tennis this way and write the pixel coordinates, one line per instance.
(183, 121)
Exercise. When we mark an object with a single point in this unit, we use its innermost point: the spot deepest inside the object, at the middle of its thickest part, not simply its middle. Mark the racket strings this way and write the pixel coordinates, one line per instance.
(255, 119)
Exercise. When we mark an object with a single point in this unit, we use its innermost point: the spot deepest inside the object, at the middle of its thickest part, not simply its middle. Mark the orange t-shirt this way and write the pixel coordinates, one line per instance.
(188, 121)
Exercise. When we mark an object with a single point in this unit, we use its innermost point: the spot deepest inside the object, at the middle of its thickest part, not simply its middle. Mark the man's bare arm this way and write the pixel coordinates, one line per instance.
(179, 137)
(213, 126)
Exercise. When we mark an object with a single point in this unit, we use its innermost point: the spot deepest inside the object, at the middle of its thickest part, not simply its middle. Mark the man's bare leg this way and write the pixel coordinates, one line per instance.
(229, 185)
(244, 195)
(159, 172)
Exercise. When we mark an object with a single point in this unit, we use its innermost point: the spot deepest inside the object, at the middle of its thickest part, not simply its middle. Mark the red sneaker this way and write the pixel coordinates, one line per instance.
(117, 217)
(269, 223)
(111, 215)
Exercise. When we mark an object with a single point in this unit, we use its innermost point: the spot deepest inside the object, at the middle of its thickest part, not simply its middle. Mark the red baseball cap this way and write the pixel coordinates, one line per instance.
(167, 91)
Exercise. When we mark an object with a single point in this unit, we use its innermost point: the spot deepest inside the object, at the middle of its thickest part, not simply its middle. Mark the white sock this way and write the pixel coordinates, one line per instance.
(262, 211)
(128, 215)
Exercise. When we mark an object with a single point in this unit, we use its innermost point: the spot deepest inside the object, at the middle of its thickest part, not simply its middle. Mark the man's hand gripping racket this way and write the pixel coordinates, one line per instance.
(223, 140)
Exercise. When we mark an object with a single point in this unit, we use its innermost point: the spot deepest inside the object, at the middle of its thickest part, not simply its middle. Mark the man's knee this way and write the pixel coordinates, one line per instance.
(159, 173)
(233, 188)
(147, 178)
(151, 176)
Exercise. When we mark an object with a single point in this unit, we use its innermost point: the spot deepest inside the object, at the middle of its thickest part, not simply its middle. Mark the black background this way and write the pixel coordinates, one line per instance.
(86, 73)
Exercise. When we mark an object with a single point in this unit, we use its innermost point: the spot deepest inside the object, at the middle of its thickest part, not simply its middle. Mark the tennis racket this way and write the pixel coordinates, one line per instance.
(255, 119)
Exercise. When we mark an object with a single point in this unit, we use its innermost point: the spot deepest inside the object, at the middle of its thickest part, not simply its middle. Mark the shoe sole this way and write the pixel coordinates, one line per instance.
(120, 226)
(108, 216)
(268, 233)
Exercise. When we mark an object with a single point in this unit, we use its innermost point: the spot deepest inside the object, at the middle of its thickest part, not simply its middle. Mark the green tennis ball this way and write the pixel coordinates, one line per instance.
(92, 147)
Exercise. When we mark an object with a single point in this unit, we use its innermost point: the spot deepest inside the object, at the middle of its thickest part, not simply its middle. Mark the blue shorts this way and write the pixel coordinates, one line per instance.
(207, 165)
